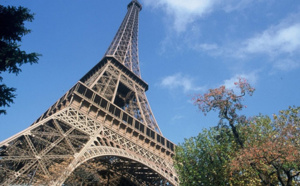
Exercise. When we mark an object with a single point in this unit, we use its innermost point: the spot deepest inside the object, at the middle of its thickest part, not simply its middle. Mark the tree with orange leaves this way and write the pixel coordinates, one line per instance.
(227, 103)
(273, 147)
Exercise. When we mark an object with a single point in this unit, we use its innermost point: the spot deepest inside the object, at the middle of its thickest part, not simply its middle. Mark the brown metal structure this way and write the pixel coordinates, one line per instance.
(101, 132)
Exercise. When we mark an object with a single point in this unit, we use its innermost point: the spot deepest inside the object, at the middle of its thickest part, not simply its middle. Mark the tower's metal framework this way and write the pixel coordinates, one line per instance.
(101, 132)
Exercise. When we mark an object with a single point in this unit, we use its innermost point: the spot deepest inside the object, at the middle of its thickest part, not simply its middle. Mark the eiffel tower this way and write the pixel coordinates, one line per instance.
(101, 132)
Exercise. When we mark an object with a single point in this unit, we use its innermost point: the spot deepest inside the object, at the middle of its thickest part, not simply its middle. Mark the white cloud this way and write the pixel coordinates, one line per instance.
(281, 43)
(275, 41)
(183, 12)
(282, 40)
(179, 81)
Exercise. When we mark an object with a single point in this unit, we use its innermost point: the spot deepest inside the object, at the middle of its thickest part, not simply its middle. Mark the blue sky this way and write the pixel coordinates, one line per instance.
(185, 48)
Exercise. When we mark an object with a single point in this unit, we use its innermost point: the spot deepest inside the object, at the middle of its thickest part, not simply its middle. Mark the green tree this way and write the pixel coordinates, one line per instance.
(12, 30)
(205, 159)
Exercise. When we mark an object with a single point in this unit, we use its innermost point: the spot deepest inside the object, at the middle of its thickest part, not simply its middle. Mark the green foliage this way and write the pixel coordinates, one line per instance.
(204, 160)
(12, 30)
(6, 96)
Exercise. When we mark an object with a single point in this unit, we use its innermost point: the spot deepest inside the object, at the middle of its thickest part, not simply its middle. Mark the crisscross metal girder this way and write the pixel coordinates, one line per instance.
(124, 46)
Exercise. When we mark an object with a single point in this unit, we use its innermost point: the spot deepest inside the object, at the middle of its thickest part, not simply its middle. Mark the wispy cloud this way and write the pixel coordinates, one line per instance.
(187, 85)
(179, 81)
(185, 12)
(250, 77)
(280, 39)
(210, 48)
(207, 46)
(279, 43)
(275, 40)
(286, 65)
(177, 117)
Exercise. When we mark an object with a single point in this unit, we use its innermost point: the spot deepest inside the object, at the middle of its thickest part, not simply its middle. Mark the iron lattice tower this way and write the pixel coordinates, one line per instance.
(101, 132)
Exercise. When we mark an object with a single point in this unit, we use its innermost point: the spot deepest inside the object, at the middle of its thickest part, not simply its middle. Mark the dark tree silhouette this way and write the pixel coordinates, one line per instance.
(12, 30)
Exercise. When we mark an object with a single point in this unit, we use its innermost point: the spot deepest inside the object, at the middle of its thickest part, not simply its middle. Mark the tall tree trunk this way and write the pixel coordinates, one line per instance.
(235, 133)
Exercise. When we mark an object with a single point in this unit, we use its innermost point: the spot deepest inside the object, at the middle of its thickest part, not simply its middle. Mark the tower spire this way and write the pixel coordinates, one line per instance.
(124, 46)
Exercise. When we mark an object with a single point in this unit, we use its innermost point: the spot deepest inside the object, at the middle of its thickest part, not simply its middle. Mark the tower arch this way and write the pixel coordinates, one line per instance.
(117, 163)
